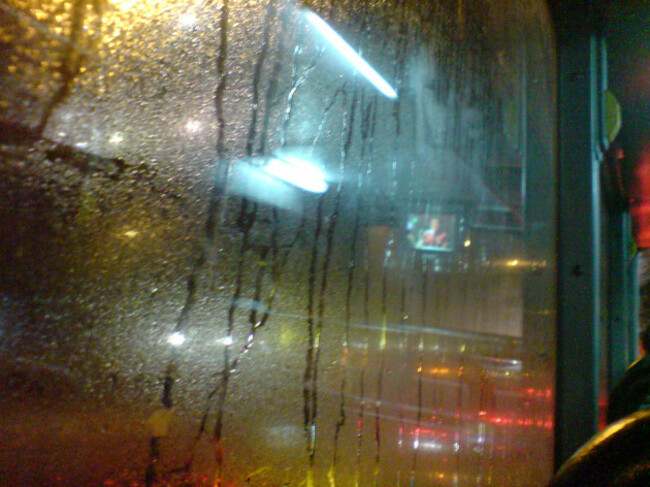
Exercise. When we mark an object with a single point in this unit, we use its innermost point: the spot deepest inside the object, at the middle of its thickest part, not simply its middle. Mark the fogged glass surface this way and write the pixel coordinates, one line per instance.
(266, 243)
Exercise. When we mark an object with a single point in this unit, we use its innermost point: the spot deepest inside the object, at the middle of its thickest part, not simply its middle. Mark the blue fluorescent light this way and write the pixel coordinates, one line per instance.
(344, 48)
(298, 172)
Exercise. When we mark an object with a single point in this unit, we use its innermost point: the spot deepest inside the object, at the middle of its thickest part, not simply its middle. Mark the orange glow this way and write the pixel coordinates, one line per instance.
(440, 371)
(640, 203)
(538, 393)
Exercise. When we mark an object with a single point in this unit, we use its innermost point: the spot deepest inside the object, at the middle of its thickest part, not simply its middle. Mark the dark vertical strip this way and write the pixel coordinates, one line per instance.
(366, 111)
(418, 421)
(617, 330)
(151, 473)
(458, 427)
(579, 215)
(360, 414)
(257, 75)
(213, 204)
(280, 259)
(346, 334)
(400, 61)
(313, 337)
(217, 195)
(271, 95)
(483, 405)
(223, 165)
(382, 359)
(400, 450)
(70, 64)
(348, 128)
(403, 317)
(402, 43)
(315, 310)
(247, 220)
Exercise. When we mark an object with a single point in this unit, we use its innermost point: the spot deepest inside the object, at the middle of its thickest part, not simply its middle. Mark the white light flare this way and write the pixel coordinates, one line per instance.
(176, 339)
(193, 126)
(350, 55)
(116, 138)
(188, 20)
(298, 172)
(431, 445)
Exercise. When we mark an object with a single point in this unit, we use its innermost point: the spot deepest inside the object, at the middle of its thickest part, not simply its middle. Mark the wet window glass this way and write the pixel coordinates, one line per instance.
(273, 243)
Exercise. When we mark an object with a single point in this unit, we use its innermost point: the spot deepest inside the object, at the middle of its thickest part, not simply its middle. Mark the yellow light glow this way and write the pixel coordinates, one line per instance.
(512, 263)
(125, 5)
(131, 233)
(116, 138)
(440, 371)
(467, 243)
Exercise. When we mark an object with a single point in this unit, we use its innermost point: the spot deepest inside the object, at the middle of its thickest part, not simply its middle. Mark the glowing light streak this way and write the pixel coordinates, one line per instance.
(431, 445)
(440, 371)
(298, 172)
(350, 55)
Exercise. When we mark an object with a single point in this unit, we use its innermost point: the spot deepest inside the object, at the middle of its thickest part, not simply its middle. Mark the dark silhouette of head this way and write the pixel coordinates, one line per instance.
(618, 456)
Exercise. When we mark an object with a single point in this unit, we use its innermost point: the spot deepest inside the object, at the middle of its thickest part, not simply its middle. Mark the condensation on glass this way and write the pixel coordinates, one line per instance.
(270, 243)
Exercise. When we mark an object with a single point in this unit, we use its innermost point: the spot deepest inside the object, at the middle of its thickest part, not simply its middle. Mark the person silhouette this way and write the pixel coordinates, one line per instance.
(632, 392)
(433, 236)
